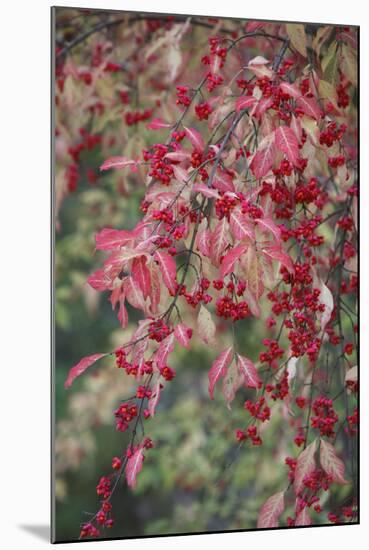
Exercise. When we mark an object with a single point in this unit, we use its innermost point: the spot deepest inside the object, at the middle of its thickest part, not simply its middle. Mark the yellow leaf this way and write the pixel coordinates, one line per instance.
(296, 33)
(321, 36)
(349, 64)
(330, 63)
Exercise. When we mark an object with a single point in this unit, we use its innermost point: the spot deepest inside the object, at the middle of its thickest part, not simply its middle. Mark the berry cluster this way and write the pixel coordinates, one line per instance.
(325, 417)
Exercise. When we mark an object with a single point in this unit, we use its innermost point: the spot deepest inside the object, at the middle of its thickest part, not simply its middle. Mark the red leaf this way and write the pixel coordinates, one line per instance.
(118, 163)
(230, 259)
(245, 102)
(134, 467)
(141, 275)
(331, 464)
(80, 368)
(263, 160)
(157, 124)
(219, 368)
(168, 269)
(269, 225)
(305, 465)
(286, 142)
(183, 334)
(271, 511)
(309, 106)
(248, 372)
(195, 138)
(110, 239)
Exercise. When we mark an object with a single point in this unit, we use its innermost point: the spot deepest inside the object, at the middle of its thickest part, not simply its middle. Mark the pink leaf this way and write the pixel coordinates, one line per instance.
(110, 239)
(141, 275)
(305, 465)
(133, 293)
(219, 240)
(122, 313)
(241, 227)
(219, 368)
(183, 334)
(245, 102)
(248, 372)
(134, 467)
(223, 181)
(205, 190)
(271, 511)
(276, 253)
(168, 269)
(263, 160)
(303, 518)
(206, 327)
(118, 163)
(157, 124)
(290, 89)
(155, 288)
(100, 280)
(310, 107)
(80, 368)
(331, 464)
(203, 242)
(230, 259)
(178, 156)
(180, 174)
(165, 348)
(269, 225)
(154, 399)
(195, 138)
(231, 383)
(286, 142)
(326, 299)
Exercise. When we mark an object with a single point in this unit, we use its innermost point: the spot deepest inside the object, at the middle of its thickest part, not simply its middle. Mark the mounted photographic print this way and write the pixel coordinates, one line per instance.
(205, 184)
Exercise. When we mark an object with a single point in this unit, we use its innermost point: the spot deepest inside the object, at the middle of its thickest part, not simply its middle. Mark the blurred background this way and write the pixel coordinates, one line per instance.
(195, 479)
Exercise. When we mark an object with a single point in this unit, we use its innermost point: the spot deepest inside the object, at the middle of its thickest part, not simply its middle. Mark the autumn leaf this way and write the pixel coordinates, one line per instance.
(230, 259)
(205, 325)
(168, 269)
(304, 466)
(134, 467)
(263, 160)
(248, 372)
(331, 464)
(286, 142)
(303, 518)
(183, 334)
(296, 33)
(219, 369)
(118, 163)
(195, 138)
(80, 367)
(271, 511)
